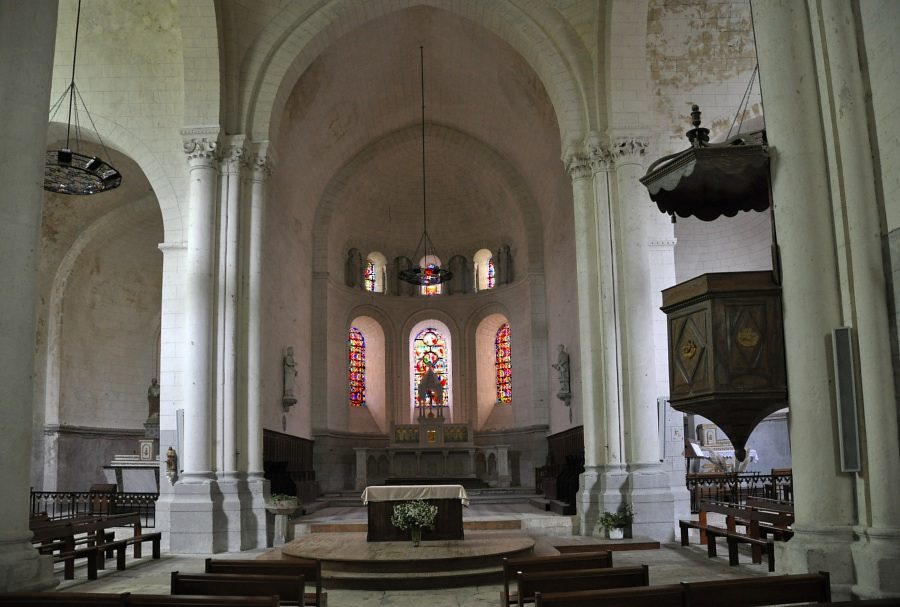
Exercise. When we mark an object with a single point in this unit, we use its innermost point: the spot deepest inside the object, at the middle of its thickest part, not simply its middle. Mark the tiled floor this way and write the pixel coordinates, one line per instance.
(671, 563)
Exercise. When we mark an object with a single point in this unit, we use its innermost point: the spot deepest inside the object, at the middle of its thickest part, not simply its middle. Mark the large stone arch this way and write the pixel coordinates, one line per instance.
(119, 220)
(480, 153)
(120, 138)
(457, 345)
(383, 320)
(533, 28)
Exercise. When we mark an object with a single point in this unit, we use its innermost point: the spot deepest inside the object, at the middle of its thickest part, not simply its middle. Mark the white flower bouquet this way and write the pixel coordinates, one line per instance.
(417, 513)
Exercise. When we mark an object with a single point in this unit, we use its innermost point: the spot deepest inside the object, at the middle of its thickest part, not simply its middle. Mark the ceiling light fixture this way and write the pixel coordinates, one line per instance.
(67, 171)
(428, 273)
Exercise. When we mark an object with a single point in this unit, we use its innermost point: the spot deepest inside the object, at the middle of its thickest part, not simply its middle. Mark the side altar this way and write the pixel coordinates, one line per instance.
(432, 450)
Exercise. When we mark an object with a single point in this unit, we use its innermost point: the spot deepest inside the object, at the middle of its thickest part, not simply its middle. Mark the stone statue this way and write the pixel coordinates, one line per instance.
(562, 367)
(503, 265)
(353, 269)
(290, 372)
(403, 263)
(460, 281)
(153, 400)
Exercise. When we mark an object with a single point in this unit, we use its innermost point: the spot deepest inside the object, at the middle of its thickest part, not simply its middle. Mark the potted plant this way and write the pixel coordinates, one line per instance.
(615, 522)
(413, 516)
(281, 503)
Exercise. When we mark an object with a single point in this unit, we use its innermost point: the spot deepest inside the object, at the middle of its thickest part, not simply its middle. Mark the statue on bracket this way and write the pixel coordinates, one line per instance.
(562, 367)
(460, 283)
(153, 400)
(402, 287)
(353, 269)
(503, 265)
(290, 372)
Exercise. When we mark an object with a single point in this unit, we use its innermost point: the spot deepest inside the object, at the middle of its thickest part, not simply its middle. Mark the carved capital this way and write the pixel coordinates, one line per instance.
(578, 166)
(233, 158)
(201, 149)
(629, 148)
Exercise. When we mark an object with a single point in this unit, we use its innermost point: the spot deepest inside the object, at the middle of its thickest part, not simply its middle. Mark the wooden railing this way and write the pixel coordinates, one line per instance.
(66, 504)
(736, 487)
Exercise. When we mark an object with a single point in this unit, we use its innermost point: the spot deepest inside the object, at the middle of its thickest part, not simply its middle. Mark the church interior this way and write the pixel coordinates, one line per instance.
(398, 242)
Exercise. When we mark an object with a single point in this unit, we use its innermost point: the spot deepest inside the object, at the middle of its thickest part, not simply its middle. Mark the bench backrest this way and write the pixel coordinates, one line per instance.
(644, 596)
(60, 599)
(310, 569)
(765, 503)
(580, 579)
(187, 600)
(556, 562)
(288, 588)
(754, 591)
(736, 511)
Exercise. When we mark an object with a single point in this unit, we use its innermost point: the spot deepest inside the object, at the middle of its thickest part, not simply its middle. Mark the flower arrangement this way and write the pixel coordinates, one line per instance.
(417, 513)
(619, 519)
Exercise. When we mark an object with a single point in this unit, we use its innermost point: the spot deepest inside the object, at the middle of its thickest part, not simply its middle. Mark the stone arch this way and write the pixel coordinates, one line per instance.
(120, 138)
(533, 28)
(120, 219)
(480, 326)
(378, 331)
(474, 147)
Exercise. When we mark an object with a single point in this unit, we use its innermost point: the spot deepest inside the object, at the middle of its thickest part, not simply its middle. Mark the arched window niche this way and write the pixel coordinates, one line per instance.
(366, 390)
(374, 272)
(484, 270)
(434, 262)
(493, 366)
(430, 349)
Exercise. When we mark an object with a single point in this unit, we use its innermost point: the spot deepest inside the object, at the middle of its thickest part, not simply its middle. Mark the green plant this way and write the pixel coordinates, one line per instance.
(620, 518)
(416, 513)
(282, 497)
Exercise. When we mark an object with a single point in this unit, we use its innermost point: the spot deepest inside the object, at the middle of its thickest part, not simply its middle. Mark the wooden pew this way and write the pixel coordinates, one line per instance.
(743, 592)
(758, 591)
(671, 595)
(63, 543)
(559, 562)
(573, 580)
(751, 518)
(288, 588)
(61, 599)
(90, 599)
(133, 520)
(310, 569)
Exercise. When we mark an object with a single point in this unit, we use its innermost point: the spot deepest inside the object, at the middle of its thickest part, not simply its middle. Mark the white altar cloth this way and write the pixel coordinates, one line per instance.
(393, 493)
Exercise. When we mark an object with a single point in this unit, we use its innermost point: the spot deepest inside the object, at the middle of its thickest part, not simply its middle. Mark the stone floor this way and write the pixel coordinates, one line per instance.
(670, 564)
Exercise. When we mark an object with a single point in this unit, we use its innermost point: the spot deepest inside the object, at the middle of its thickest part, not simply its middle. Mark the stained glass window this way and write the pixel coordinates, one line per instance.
(504, 370)
(490, 276)
(356, 354)
(430, 351)
(431, 289)
(369, 276)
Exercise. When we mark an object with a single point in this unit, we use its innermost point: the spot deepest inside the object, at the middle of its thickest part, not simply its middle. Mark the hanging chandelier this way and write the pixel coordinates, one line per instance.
(67, 171)
(427, 273)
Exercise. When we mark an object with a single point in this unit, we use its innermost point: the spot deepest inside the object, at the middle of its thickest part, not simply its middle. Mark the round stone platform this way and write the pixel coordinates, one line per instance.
(349, 561)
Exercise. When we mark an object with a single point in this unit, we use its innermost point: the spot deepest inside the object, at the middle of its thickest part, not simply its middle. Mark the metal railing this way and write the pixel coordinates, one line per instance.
(66, 504)
(736, 487)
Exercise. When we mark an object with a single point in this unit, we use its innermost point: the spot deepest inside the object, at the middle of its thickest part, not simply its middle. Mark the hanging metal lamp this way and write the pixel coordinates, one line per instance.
(427, 273)
(67, 170)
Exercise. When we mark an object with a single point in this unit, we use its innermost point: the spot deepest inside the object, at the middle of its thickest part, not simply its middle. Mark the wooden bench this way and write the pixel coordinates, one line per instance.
(758, 591)
(133, 520)
(67, 543)
(310, 569)
(289, 588)
(743, 592)
(90, 599)
(545, 582)
(559, 562)
(645, 596)
(751, 518)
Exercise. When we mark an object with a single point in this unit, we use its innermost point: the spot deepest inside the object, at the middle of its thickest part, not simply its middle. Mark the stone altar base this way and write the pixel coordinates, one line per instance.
(349, 561)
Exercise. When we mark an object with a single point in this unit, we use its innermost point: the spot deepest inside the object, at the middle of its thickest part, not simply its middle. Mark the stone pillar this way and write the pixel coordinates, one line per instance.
(27, 35)
(503, 477)
(634, 217)
(254, 525)
(823, 496)
(194, 528)
(604, 473)
(876, 552)
(230, 479)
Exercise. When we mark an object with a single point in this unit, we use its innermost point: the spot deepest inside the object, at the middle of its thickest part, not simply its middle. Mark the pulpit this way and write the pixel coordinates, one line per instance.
(381, 500)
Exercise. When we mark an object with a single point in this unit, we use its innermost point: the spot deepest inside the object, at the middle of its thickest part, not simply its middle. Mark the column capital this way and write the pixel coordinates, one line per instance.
(201, 144)
(578, 166)
(628, 148)
(261, 159)
(233, 154)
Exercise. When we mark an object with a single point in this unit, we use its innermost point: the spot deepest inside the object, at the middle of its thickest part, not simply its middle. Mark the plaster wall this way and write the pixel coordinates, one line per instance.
(110, 332)
(742, 243)
(80, 453)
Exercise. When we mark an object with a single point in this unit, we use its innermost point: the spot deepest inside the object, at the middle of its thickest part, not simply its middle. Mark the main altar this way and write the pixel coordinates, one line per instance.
(380, 501)
(430, 451)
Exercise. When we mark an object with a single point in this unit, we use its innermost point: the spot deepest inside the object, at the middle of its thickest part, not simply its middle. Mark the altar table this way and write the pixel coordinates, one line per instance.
(381, 500)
